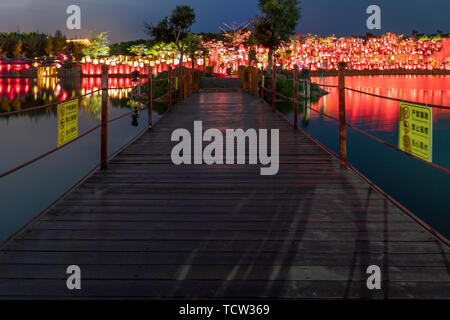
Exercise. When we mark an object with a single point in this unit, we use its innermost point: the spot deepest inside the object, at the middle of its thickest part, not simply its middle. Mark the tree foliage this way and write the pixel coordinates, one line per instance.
(173, 29)
(99, 46)
(276, 23)
(17, 48)
(194, 47)
(123, 48)
(34, 44)
(138, 49)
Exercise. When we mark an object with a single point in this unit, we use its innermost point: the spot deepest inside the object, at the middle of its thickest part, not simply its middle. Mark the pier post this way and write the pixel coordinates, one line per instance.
(191, 80)
(150, 97)
(249, 72)
(308, 89)
(295, 95)
(342, 126)
(181, 84)
(274, 88)
(262, 85)
(170, 88)
(104, 122)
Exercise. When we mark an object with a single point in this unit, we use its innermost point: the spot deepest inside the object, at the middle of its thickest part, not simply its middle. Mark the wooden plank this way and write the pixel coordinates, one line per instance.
(225, 225)
(332, 235)
(305, 246)
(221, 272)
(214, 258)
(154, 289)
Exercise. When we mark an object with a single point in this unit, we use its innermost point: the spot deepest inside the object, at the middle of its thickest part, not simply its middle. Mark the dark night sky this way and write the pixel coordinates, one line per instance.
(123, 19)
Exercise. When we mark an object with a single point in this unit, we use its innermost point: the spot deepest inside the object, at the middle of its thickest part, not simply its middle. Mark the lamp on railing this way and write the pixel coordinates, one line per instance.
(135, 117)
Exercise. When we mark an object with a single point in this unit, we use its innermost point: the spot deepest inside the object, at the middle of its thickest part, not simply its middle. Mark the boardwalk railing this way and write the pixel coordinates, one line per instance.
(184, 82)
(259, 82)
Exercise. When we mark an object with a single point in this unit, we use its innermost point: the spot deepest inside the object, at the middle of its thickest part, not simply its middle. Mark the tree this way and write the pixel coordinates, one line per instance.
(194, 47)
(99, 46)
(49, 47)
(59, 43)
(17, 49)
(76, 50)
(138, 49)
(276, 24)
(160, 48)
(174, 29)
(123, 48)
(251, 44)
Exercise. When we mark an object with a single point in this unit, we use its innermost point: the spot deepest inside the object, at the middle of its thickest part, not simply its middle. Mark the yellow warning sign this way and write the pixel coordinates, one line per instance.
(67, 121)
(416, 130)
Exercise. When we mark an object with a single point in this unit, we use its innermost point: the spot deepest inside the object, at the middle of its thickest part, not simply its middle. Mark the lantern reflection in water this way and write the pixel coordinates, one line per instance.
(19, 93)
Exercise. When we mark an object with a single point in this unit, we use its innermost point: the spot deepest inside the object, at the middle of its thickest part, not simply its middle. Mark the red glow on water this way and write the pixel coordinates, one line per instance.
(11, 88)
(382, 114)
(8, 67)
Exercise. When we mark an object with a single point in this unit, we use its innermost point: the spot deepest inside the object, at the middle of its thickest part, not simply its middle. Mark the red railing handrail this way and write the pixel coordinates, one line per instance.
(339, 156)
(26, 164)
(4, 114)
(386, 97)
(104, 90)
(353, 127)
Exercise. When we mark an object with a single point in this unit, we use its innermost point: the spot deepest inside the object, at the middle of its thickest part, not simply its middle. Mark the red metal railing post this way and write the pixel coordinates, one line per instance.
(262, 85)
(295, 95)
(170, 89)
(274, 89)
(181, 84)
(249, 73)
(150, 97)
(342, 126)
(104, 122)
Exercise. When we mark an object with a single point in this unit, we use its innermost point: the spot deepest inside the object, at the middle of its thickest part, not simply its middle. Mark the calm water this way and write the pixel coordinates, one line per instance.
(422, 189)
(23, 137)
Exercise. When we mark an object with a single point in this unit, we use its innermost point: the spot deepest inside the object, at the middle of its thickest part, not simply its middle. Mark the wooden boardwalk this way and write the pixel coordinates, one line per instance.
(146, 228)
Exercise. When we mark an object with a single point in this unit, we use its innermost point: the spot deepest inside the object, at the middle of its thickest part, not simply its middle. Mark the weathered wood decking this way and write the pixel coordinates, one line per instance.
(149, 229)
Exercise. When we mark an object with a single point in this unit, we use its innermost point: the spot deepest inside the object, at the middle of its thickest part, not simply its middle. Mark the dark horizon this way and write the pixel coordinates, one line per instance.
(124, 21)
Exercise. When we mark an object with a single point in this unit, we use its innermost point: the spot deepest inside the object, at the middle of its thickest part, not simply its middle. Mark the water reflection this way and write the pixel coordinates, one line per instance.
(419, 187)
(28, 135)
(380, 114)
(21, 93)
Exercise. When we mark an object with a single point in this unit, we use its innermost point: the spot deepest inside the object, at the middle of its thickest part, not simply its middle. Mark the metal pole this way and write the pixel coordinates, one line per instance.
(249, 72)
(104, 121)
(191, 72)
(181, 85)
(342, 126)
(170, 89)
(150, 97)
(188, 75)
(274, 89)
(255, 82)
(308, 89)
(262, 85)
(295, 99)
